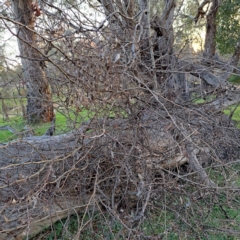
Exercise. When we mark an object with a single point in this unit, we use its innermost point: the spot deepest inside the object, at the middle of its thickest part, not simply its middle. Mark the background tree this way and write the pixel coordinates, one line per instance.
(228, 26)
(39, 97)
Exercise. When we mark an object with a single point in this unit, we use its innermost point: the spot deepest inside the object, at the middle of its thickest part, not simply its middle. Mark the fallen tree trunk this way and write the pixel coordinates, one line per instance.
(44, 179)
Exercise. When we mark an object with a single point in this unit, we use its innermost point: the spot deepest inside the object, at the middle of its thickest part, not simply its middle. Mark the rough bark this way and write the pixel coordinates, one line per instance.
(203, 73)
(39, 98)
(129, 8)
(164, 32)
(147, 46)
(236, 56)
(211, 29)
(165, 60)
(114, 14)
(200, 12)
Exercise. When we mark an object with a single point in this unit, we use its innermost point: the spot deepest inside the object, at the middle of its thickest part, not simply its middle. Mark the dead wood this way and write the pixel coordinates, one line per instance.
(44, 179)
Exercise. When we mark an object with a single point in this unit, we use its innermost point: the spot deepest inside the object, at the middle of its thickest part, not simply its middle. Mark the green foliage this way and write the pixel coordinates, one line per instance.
(96, 227)
(236, 114)
(235, 79)
(64, 123)
(58, 227)
(16, 123)
(197, 99)
(228, 26)
(66, 120)
(6, 136)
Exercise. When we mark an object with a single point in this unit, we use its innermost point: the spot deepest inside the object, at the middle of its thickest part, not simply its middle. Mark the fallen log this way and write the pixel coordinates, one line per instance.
(44, 179)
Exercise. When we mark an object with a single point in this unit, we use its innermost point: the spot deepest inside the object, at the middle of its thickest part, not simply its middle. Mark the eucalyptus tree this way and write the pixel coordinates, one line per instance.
(39, 97)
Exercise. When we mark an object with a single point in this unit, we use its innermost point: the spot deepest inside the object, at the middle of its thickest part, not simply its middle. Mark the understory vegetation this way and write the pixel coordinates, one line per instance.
(175, 215)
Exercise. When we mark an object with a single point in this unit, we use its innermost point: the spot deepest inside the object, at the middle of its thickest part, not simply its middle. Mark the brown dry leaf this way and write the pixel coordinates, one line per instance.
(8, 3)
(21, 4)
(5, 218)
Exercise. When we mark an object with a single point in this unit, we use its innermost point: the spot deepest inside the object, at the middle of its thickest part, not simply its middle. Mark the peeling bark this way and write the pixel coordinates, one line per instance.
(116, 21)
(39, 97)
(196, 167)
(129, 7)
(211, 29)
(203, 72)
(147, 46)
(200, 12)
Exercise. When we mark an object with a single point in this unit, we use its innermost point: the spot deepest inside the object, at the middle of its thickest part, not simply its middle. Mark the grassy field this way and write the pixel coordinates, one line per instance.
(65, 121)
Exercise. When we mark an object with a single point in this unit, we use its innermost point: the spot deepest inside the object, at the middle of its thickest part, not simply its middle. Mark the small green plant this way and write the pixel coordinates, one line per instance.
(236, 114)
(96, 227)
(198, 99)
(58, 227)
(235, 79)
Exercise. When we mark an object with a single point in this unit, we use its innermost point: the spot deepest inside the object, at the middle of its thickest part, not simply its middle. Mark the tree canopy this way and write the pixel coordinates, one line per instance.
(228, 26)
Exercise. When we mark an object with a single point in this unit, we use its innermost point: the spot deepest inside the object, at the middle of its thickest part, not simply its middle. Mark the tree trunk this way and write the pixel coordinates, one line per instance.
(39, 97)
(211, 29)
(147, 46)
